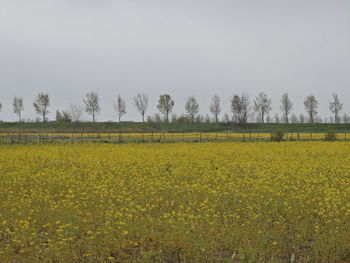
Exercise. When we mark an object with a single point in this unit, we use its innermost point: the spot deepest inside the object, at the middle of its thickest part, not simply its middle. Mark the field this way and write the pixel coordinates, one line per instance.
(180, 202)
(147, 127)
(161, 137)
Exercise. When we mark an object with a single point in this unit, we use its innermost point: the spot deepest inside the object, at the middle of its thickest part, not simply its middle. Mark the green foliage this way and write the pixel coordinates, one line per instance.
(182, 125)
(183, 120)
(330, 135)
(277, 135)
(63, 116)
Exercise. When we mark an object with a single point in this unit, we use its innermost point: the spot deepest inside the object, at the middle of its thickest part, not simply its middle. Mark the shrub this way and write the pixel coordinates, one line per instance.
(330, 135)
(183, 120)
(277, 136)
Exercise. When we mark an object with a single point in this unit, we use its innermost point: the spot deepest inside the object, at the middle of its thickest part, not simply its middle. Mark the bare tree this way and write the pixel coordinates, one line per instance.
(301, 118)
(18, 107)
(191, 108)
(346, 118)
(120, 107)
(165, 105)
(336, 107)
(63, 116)
(207, 118)
(286, 106)
(262, 105)
(215, 107)
(311, 106)
(226, 118)
(41, 105)
(92, 104)
(277, 118)
(240, 108)
(294, 118)
(173, 117)
(268, 119)
(76, 111)
(141, 104)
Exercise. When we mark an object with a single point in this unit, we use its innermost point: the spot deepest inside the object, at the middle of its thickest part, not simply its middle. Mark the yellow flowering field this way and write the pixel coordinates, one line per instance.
(24, 137)
(180, 202)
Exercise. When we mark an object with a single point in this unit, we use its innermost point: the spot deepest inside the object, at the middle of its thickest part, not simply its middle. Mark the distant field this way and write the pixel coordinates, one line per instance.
(161, 137)
(181, 202)
(167, 127)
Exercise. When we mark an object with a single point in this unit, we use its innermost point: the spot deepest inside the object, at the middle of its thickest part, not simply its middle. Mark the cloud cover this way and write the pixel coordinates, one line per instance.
(184, 47)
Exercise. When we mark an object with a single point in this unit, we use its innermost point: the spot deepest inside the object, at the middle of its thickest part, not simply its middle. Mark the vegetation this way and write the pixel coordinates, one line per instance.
(192, 108)
(181, 125)
(240, 109)
(277, 135)
(92, 104)
(287, 107)
(311, 107)
(120, 107)
(215, 107)
(212, 202)
(330, 135)
(336, 107)
(141, 104)
(18, 107)
(41, 105)
(262, 106)
(165, 105)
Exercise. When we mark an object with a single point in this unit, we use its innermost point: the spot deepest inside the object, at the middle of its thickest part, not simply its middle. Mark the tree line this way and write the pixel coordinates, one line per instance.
(242, 109)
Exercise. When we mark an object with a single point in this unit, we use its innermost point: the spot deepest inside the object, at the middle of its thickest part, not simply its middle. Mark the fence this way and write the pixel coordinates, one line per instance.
(27, 137)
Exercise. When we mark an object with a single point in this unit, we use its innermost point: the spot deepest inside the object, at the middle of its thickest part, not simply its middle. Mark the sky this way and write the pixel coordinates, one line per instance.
(68, 48)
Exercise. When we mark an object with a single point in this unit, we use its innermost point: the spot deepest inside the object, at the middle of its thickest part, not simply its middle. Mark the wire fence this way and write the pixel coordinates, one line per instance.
(161, 137)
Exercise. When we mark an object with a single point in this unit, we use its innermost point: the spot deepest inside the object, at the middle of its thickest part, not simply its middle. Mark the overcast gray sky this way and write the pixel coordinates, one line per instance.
(182, 47)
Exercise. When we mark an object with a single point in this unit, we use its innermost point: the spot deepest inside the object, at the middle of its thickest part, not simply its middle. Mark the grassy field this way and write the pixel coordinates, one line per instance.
(166, 127)
(160, 137)
(182, 202)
